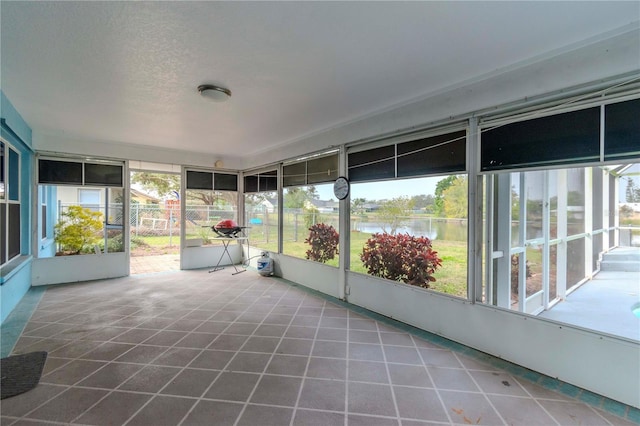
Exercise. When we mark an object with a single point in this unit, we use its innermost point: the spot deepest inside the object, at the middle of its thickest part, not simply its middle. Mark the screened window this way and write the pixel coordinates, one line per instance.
(261, 210)
(372, 164)
(68, 172)
(103, 174)
(43, 212)
(622, 130)
(311, 212)
(199, 180)
(406, 225)
(439, 154)
(225, 182)
(210, 198)
(59, 172)
(9, 203)
(569, 138)
(212, 181)
(294, 174)
(85, 208)
(315, 170)
(393, 222)
(266, 181)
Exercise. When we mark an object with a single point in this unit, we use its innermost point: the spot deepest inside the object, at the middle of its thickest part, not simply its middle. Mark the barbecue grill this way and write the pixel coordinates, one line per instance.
(227, 228)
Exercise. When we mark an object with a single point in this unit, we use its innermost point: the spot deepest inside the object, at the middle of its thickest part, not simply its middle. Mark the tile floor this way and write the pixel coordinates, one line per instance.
(193, 348)
(157, 263)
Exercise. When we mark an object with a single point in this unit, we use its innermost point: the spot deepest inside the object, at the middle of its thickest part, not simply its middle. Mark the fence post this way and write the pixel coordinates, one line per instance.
(295, 226)
(137, 217)
(171, 226)
(266, 222)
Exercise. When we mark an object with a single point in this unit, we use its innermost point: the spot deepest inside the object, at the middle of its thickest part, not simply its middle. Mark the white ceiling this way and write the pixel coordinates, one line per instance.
(128, 71)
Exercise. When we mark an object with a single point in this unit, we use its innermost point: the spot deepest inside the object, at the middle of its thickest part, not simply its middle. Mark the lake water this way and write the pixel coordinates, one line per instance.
(434, 229)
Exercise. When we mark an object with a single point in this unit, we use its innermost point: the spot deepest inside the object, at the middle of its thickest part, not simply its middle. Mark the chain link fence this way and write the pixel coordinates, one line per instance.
(159, 225)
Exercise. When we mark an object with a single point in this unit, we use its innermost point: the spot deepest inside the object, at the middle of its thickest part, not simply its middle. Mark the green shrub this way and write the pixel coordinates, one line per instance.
(78, 230)
(324, 242)
(401, 257)
(311, 216)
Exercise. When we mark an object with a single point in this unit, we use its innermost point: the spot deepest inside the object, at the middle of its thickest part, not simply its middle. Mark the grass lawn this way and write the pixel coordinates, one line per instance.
(451, 277)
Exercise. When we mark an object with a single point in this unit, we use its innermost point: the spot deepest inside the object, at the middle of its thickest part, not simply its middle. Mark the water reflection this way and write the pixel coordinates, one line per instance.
(432, 228)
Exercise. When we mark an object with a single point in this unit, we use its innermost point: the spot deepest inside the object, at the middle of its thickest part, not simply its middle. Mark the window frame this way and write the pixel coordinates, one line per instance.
(7, 201)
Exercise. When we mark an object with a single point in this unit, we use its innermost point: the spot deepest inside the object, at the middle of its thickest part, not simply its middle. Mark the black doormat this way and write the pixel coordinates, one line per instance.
(20, 373)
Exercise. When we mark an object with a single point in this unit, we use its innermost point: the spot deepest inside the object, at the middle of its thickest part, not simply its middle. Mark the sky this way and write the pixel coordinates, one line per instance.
(384, 190)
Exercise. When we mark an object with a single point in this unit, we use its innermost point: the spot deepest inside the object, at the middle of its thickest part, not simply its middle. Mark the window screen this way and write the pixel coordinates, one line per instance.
(322, 169)
(2, 185)
(43, 227)
(199, 180)
(372, 164)
(569, 138)
(251, 183)
(622, 130)
(14, 176)
(437, 154)
(14, 233)
(103, 174)
(59, 172)
(294, 174)
(225, 182)
(316, 170)
(268, 181)
(3, 234)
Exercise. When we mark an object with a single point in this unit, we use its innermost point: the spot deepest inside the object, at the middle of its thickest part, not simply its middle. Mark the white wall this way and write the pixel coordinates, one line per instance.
(602, 364)
(208, 256)
(68, 269)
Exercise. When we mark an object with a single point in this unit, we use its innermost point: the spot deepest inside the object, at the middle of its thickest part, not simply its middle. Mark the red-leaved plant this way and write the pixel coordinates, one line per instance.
(401, 257)
(324, 242)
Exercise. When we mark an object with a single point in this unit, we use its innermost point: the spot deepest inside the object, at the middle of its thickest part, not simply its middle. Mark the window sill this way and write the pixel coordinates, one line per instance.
(13, 267)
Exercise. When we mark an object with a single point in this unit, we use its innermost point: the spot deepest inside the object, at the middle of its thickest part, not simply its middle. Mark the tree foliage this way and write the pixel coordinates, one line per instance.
(423, 201)
(324, 241)
(78, 230)
(632, 193)
(455, 199)
(357, 205)
(392, 213)
(296, 197)
(161, 184)
(401, 257)
(441, 187)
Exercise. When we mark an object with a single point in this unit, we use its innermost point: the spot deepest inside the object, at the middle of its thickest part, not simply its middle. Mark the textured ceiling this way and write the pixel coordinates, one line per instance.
(128, 71)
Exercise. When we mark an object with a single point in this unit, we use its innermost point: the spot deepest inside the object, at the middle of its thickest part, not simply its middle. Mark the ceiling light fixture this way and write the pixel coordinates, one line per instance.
(214, 93)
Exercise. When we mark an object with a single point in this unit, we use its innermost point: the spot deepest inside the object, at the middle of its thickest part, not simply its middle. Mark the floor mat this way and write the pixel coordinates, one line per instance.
(20, 373)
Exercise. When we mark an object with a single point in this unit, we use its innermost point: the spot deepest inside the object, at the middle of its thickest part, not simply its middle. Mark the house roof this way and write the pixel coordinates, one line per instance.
(135, 193)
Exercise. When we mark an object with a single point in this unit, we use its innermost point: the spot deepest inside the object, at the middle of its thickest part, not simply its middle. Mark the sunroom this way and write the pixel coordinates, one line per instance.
(499, 210)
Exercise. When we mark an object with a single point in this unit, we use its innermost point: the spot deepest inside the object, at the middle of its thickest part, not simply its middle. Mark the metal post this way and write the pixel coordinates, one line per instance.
(171, 225)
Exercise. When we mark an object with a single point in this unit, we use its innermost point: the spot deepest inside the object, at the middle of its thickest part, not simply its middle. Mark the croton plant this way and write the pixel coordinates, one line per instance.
(401, 257)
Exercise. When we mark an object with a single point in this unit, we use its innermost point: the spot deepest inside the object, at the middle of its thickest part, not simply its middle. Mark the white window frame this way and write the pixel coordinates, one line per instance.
(5, 202)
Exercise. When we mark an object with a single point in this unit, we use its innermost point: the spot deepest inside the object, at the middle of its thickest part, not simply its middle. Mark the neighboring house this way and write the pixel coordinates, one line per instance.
(94, 197)
(142, 197)
(633, 206)
(270, 204)
(86, 197)
(323, 206)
